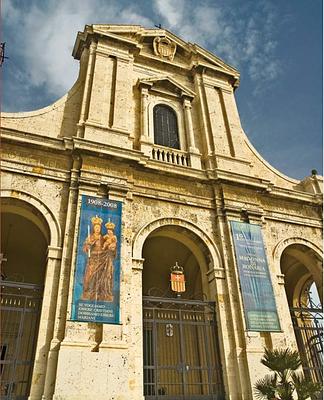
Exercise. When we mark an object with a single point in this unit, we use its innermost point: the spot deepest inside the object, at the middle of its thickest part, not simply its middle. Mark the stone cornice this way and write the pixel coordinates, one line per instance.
(17, 137)
(197, 56)
(218, 176)
(264, 186)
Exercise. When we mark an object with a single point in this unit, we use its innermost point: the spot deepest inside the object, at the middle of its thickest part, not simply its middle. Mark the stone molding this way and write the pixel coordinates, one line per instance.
(283, 244)
(54, 252)
(145, 230)
(44, 210)
(137, 264)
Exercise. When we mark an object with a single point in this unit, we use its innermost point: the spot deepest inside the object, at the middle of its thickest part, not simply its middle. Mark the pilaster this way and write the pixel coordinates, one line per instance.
(195, 158)
(208, 155)
(122, 94)
(64, 278)
(46, 324)
(146, 142)
(87, 89)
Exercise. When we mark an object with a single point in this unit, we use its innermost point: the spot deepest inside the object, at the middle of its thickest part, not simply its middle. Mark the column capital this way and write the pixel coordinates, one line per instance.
(137, 264)
(93, 47)
(54, 252)
(144, 91)
(186, 102)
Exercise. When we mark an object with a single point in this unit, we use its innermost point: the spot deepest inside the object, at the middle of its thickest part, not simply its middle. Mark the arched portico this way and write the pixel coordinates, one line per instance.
(300, 263)
(180, 335)
(192, 231)
(31, 243)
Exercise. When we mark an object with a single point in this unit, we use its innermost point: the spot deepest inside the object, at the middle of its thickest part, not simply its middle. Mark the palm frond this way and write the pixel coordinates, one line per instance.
(305, 388)
(265, 388)
(285, 391)
(281, 361)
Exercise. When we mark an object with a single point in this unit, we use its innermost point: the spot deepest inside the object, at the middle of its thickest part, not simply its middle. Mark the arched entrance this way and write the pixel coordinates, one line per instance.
(301, 266)
(180, 341)
(24, 242)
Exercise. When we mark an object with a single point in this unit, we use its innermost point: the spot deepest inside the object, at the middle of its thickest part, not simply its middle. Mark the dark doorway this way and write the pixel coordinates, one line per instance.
(180, 340)
(23, 251)
(20, 310)
(181, 357)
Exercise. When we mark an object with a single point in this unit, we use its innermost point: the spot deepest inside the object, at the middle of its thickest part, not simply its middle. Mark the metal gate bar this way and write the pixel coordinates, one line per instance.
(181, 355)
(20, 308)
(308, 326)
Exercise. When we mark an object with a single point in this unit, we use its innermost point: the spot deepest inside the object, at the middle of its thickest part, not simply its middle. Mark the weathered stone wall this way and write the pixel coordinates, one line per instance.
(98, 141)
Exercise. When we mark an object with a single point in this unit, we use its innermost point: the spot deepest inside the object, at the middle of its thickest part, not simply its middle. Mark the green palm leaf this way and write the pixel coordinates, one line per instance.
(266, 388)
(286, 383)
(305, 388)
(282, 361)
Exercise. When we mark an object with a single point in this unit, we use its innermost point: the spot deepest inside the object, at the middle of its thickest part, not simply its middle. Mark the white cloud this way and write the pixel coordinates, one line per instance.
(171, 11)
(46, 34)
(243, 37)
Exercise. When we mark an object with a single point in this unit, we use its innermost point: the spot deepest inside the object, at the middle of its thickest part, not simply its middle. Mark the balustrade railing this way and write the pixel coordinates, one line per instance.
(171, 156)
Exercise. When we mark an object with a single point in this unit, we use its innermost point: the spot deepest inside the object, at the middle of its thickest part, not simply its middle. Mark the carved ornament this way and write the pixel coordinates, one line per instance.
(164, 48)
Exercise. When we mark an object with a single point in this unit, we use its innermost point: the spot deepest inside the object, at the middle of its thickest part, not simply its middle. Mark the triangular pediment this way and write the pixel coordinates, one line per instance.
(167, 85)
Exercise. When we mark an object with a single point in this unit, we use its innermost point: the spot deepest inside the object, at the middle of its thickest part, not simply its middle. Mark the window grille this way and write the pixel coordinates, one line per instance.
(165, 127)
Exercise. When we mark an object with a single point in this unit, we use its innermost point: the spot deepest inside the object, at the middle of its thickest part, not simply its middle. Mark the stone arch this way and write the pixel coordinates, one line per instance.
(29, 213)
(198, 255)
(280, 247)
(312, 265)
(146, 230)
(28, 203)
(300, 263)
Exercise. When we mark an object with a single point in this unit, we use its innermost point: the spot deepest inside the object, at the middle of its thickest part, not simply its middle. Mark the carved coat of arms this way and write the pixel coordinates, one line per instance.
(177, 279)
(164, 48)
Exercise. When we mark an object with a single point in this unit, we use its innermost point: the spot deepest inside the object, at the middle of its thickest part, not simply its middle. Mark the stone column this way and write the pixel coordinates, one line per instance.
(195, 161)
(238, 379)
(87, 90)
(144, 115)
(205, 128)
(122, 95)
(146, 142)
(46, 324)
(63, 290)
(286, 338)
(136, 362)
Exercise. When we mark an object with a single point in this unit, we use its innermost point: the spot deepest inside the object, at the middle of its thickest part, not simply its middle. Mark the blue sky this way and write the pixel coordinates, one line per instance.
(275, 44)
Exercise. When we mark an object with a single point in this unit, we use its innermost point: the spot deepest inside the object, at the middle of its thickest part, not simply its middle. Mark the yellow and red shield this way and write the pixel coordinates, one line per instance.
(178, 283)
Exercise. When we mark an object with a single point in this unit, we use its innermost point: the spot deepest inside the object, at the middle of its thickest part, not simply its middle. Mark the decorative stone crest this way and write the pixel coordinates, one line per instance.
(164, 48)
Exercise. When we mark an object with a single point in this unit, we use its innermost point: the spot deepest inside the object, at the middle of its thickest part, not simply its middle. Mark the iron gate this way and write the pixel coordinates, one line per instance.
(308, 326)
(20, 309)
(181, 355)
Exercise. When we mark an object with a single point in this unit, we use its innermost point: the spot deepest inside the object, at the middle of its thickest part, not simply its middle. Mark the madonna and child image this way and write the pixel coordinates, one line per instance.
(100, 249)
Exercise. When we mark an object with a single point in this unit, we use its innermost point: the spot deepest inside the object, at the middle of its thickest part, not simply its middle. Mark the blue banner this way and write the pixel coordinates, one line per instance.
(258, 298)
(96, 292)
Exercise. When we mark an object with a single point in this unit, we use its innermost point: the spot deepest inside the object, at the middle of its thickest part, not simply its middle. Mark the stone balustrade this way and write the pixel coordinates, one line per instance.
(171, 156)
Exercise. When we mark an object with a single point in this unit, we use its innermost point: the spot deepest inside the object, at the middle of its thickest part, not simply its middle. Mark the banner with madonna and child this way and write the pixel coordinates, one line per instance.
(96, 292)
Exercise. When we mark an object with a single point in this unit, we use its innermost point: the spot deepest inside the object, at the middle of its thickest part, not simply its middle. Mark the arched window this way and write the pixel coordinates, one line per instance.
(165, 126)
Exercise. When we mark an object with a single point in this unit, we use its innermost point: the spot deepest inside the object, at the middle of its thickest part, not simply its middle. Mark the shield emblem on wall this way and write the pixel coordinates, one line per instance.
(177, 279)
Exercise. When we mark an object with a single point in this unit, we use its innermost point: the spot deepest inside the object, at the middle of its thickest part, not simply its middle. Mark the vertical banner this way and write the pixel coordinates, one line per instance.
(96, 292)
(257, 292)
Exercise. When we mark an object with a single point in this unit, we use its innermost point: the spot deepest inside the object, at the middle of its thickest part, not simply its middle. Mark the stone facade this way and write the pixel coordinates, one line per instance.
(99, 140)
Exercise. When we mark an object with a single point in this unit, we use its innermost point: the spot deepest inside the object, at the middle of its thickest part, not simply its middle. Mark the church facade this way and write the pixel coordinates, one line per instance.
(148, 250)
